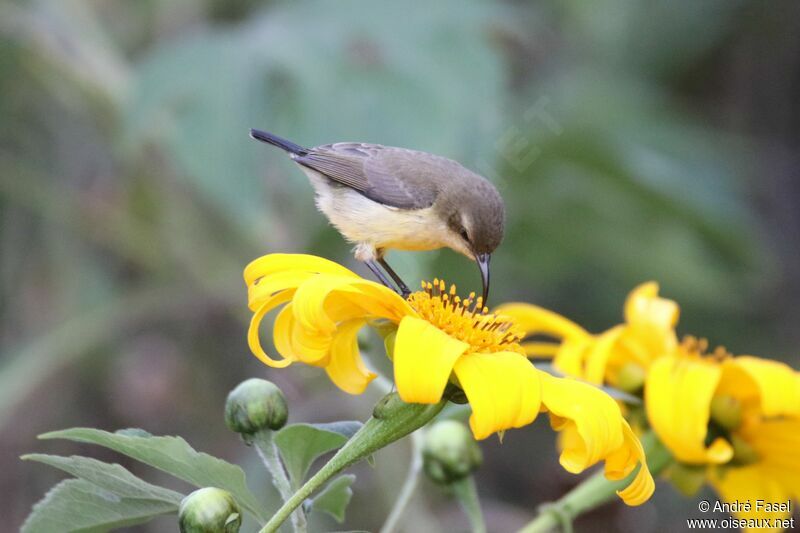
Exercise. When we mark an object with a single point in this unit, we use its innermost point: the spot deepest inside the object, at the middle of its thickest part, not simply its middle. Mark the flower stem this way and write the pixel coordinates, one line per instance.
(467, 495)
(409, 485)
(392, 419)
(268, 451)
(593, 492)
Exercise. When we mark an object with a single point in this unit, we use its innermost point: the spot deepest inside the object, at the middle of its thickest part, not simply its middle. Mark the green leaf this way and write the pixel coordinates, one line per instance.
(335, 497)
(111, 477)
(301, 444)
(77, 505)
(172, 455)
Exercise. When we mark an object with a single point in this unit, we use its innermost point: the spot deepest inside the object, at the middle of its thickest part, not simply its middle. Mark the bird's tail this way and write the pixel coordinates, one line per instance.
(280, 142)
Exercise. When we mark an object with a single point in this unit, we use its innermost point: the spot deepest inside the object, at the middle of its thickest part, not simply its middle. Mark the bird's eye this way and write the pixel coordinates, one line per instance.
(464, 234)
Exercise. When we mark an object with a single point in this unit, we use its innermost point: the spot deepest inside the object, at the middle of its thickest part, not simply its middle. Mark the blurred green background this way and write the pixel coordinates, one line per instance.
(632, 140)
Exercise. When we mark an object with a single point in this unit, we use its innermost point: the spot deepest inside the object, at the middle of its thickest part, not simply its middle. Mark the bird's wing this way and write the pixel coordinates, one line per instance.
(395, 177)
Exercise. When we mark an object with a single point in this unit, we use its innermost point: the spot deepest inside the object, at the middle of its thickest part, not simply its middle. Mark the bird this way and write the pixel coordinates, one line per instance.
(387, 198)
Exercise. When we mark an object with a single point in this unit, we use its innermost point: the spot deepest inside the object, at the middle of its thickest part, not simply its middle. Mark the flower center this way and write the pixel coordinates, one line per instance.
(466, 320)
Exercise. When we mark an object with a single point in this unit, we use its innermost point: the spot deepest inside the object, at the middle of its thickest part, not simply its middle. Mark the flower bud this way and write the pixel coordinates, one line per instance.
(209, 510)
(387, 405)
(255, 404)
(630, 378)
(450, 453)
(726, 411)
(687, 479)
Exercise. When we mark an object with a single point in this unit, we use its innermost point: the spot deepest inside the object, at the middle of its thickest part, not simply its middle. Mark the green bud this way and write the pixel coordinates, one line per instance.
(726, 411)
(209, 510)
(387, 405)
(255, 404)
(630, 378)
(450, 452)
(687, 479)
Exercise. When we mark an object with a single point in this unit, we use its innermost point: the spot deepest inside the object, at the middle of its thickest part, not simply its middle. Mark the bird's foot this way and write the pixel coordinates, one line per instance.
(401, 288)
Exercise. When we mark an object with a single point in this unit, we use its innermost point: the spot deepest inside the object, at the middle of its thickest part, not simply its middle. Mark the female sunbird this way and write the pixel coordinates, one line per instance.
(382, 198)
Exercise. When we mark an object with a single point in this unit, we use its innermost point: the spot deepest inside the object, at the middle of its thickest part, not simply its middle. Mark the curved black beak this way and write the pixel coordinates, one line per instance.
(483, 265)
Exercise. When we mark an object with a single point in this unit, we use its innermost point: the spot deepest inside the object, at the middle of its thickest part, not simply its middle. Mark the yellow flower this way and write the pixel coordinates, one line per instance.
(749, 410)
(736, 418)
(648, 333)
(440, 339)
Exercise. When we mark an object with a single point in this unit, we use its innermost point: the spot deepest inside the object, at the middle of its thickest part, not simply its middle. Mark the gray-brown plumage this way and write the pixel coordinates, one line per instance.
(382, 197)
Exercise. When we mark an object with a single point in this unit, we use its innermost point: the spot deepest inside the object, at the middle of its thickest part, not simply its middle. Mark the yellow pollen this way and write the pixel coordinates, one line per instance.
(698, 347)
(466, 320)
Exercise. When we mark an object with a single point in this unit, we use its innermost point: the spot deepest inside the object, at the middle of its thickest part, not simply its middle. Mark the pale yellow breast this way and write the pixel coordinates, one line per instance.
(364, 221)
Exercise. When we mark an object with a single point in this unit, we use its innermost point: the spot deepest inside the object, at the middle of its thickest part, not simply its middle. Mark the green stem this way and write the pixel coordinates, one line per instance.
(392, 420)
(409, 485)
(268, 451)
(594, 492)
(467, 495)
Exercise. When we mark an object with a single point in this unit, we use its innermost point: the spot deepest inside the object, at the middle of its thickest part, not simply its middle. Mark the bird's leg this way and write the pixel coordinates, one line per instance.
(375, 269)
(404, 290)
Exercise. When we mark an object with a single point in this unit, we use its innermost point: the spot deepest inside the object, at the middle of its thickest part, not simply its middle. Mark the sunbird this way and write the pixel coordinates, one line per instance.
(386, 198)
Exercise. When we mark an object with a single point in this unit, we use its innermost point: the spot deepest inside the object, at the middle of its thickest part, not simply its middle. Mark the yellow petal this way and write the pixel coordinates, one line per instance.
(540, 350)
(374, 299)
(598, 355)
(423, 360)
(272, 264)
(311, 347)
(737, 485)
(571, 355)
(264, 288)
(645, 306)
(678, 394)
(620, 463)
(253, 332)
(595, 430)
(503, 390)
(346, 368)
(777, 444)
(535, 320)
(775, 384)
(282, 333)
(596, 416)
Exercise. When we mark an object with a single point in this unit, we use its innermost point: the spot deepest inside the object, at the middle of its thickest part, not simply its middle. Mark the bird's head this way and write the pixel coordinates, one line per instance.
(475, 216)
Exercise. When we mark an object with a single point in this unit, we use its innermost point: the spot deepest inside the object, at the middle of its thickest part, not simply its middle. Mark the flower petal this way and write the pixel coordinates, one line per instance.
(598, 355)
(282, 333)
(678, 394)
(374, 299)
(253, 332)
(503, 390)
(346, 368)
(272, 264)
(775, 384)
(777, 443)
(264, 288)
(423, 360)
(643, 305)
(540, 350)
(535, 320)
(596, 417)
(620, 463)
(594, 429)
(571, 355)
(737, 485)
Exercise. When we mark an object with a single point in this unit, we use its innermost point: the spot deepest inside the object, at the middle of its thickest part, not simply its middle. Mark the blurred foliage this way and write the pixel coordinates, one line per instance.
(631, 141)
